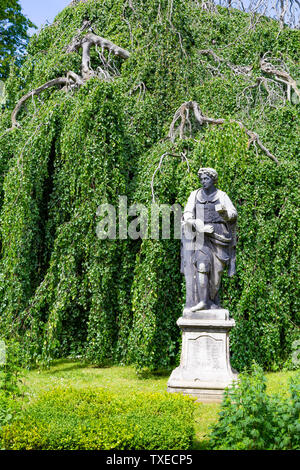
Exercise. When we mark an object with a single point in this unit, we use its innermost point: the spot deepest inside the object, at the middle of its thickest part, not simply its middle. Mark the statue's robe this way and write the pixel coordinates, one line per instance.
(205, 252)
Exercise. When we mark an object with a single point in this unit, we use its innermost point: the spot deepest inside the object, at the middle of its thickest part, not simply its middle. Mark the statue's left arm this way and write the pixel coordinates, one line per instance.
(230, 214)
(227, 207)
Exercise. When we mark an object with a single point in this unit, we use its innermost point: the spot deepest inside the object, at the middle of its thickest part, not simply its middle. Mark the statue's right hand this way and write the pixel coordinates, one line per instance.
(208, 228)
(190, 223)
(199, 226)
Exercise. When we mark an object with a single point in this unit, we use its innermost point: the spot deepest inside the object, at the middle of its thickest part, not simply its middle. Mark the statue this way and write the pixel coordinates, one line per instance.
(208, 248)
(208, 242)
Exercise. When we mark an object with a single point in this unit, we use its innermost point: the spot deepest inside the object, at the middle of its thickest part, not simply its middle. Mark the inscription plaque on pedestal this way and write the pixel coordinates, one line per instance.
(205, 351)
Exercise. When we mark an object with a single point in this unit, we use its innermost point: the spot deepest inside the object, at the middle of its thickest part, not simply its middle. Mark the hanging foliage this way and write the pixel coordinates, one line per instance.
(116, 72)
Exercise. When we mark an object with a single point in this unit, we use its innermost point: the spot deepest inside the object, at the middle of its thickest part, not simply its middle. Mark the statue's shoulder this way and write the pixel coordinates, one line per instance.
(222, 194)
(193, 194)
(191, 201)
(225, 199)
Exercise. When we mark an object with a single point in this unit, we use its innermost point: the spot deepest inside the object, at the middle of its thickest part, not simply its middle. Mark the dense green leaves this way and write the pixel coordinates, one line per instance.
(13, 34)
(95, 419)
(65, 292)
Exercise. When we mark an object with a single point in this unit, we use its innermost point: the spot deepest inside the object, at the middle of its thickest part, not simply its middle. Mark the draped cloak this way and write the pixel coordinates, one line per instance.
(204, 252)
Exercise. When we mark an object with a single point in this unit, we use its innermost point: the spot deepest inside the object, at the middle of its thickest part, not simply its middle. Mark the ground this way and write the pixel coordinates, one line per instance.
(123, 380)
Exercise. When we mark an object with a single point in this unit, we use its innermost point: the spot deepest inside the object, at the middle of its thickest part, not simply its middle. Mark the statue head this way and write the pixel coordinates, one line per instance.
(210, 172)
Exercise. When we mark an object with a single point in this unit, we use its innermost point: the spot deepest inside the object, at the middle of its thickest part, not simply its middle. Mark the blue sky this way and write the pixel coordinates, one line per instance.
(40, 11)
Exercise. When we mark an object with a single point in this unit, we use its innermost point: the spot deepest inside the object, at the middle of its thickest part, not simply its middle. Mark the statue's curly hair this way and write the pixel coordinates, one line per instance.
(210, 172)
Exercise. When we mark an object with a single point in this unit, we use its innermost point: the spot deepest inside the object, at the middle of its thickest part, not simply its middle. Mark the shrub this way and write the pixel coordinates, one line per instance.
(9, 409)
(252, 420)
(95, 419)
(10, 383)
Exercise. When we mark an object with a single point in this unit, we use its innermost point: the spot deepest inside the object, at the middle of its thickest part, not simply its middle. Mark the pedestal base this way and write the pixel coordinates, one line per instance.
(205, 368)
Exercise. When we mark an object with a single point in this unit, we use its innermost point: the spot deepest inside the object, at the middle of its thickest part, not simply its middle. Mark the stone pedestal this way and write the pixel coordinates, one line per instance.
(205, 368)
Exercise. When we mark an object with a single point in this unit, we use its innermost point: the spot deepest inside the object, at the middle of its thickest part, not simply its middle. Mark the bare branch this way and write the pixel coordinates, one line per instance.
(284, 6)
(142, 90)
(281, 75)
(183, 158)
(274, 98)
(201, 119)
(37, 91)
(207, 5)
(76, 39)
(130, 5)
(284, 11)
(86, 43)
(238, 69)
(72, 79)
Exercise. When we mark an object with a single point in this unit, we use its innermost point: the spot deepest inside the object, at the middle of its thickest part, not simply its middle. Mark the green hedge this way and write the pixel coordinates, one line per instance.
(95, 419)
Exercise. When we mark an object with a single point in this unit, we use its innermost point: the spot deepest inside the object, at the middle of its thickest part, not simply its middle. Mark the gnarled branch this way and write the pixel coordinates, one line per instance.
(183, 158)
(37, 91)
(279, 72)
(281, 75)
(70, 80)
(238, 69)
(182, 113)
(73, 79)
(89, 40)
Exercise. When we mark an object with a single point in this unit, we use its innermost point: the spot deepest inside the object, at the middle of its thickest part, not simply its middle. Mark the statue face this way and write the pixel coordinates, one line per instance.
(206, 181)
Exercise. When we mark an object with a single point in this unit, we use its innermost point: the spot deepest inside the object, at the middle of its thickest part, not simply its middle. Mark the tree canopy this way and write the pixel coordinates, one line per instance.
(13, 34)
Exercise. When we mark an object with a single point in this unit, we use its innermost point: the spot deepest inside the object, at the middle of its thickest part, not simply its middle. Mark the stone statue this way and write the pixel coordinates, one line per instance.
(208, 242)
(208, 248)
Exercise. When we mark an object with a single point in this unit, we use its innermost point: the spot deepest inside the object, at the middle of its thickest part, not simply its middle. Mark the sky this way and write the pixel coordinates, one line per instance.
(41, 12)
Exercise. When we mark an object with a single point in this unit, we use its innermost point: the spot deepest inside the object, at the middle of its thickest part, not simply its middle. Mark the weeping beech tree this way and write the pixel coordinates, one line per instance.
(131, 98)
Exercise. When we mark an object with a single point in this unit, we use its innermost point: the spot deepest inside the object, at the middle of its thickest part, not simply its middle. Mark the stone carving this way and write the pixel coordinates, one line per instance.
(208, 248)
(208, 242)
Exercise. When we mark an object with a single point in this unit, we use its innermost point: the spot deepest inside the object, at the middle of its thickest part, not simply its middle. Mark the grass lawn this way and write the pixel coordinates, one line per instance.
(123, 380)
